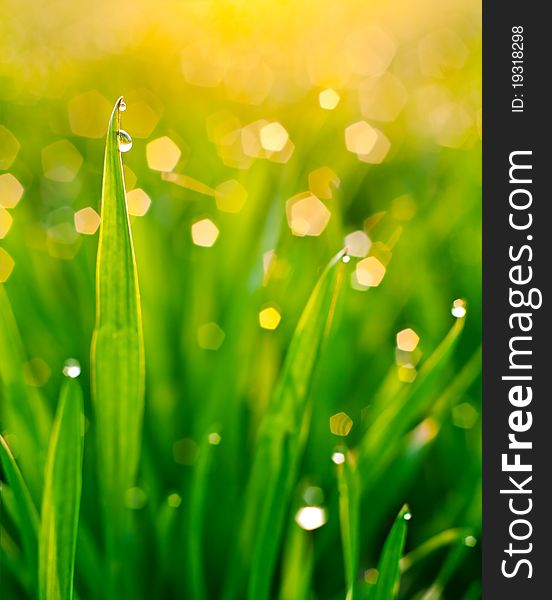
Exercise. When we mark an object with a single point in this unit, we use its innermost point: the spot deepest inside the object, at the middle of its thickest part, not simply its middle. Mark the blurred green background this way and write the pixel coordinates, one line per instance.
(371, 111)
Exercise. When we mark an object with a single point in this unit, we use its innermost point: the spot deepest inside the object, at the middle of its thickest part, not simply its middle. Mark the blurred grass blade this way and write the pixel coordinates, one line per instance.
(61, 501)
(451, 564)
(117, 347)
(444, 538)
(281, 438)
(411, 404)
(23, 411)
(349, 507)
(297, 565)
(387, 585)
(24, 511)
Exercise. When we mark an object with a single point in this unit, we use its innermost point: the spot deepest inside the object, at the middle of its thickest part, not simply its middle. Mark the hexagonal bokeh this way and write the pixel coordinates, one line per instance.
(370, 272)
(341, 424)
(61, 161)
(360, 137)
(6, 221)
(230, 196)
(382, 98)
(87, 221)
(274, 137)
(328, 99)
(210, 336)
(379, 150)
(269, 318)
(138, 202)
(89, 114)
(407, 340)
(358, 244)
(163, 154)
(204, 233)
(307, 215)
(140, 118)
(10, 190)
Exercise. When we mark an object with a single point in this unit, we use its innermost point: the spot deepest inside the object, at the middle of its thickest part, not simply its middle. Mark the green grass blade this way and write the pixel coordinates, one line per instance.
(61, 500)
(25, 514)
(117, 347)
(437, 542)
(297, 565)
(349, 508)
(387, 585)
(401, 414)
(451, 564)
(281, 438)
(23, 411)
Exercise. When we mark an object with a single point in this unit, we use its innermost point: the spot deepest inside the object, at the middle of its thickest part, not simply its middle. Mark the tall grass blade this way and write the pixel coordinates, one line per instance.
(117, 349)
(24, 512)
(401, 414)
(281, 436)
(387, 585)
(349, 508)
(23, 411)
(61, 500)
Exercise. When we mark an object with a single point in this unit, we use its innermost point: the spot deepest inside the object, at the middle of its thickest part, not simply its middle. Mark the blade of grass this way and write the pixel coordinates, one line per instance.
(396, 419)
(387, 585)
(12, 558)
(442, 539)
(25, 513)
(297, 565)
(117, 354)
(61, 500)
(280, 441)
(349, 506)
(454, 557)
(23, 411)
(199, 493)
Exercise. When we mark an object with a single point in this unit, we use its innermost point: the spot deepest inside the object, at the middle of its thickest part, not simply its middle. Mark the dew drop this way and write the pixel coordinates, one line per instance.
(407, 516)
(458, 309)
(338, 458)
(71, 368)
(122, 106)
(124, 140)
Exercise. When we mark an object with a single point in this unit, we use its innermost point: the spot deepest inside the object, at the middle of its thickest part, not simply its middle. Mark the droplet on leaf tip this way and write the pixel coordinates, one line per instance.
(124, 141)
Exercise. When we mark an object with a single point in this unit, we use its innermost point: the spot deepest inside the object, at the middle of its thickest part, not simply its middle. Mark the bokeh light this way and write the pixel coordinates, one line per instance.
(163, 154)
(10, 190)
(307, 215)
(87, 221)
(204, 233)
(138, 202)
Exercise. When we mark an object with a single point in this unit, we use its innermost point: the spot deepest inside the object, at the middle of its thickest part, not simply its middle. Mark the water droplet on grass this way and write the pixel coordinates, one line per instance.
(122, 106)
(459, 308)
(71, 368)
(124, 140)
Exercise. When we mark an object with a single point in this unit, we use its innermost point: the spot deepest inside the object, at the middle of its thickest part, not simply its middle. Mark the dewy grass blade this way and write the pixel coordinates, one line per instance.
(61, 500)
(387, 585)
(117, 347)
(25, 513)
(281, 437)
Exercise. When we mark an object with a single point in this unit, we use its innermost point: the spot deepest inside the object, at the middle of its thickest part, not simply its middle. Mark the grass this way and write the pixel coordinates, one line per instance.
(180, 461)
(117, 361)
